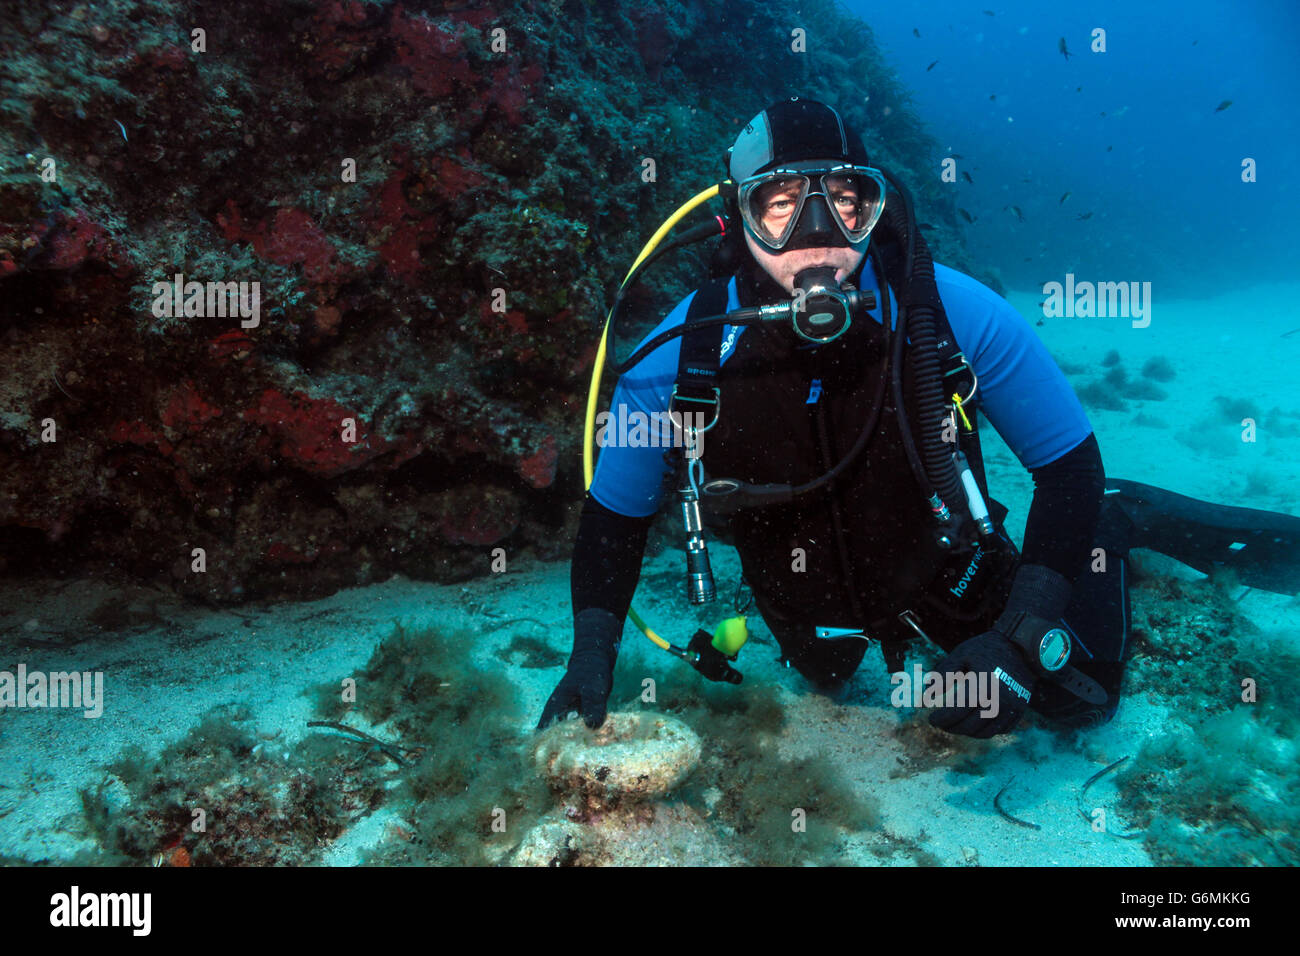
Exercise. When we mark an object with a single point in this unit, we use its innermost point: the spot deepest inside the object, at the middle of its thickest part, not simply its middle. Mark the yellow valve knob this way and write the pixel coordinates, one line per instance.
(730, 636)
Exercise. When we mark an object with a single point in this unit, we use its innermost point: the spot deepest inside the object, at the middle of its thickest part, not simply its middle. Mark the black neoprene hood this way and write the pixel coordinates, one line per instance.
(790, 131)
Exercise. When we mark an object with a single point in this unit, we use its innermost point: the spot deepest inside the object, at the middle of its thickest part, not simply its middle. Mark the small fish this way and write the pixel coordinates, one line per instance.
(993, 97)
(1103, 112)
(1029, 258)
(965, 215)
(932, 66)
(966, 176)
(1064, 197)
(1109, 148)
(1060, 45)
(1223, 106)
(989, 13)
(916, 33)
(1078, 89)
(1083, 215)
(1194, 42)
(1019, 215)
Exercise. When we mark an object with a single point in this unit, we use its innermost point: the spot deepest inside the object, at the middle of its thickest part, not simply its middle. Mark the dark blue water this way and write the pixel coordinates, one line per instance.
(1160, 171)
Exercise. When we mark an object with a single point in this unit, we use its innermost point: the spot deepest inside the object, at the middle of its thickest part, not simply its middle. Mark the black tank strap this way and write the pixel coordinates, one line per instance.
(701, 351)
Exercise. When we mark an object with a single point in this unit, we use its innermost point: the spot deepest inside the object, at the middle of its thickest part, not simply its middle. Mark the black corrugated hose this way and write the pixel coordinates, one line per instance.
(918, 318)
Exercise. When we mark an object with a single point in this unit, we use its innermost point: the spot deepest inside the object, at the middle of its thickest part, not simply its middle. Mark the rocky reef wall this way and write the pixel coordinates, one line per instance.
(295, 295)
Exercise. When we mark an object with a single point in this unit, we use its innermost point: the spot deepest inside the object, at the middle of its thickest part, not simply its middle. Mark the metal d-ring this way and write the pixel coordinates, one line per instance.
(716, 401)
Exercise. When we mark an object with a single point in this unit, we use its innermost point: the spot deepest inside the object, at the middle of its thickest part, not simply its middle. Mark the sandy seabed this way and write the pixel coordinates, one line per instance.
(167, 663)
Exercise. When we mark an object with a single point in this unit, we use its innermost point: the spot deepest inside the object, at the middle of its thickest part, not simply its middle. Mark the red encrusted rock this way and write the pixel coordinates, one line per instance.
(337, 41)
(233, 344)
(341, 12)
(399, 224)
(434, 55)
(76, 239)
(308, 432)
(293, 238)
(391, 204)
(452, 178)
(186, 410)
(513, 320)
(538, 469)
(169, 57)
(123, 432)
(510, 90)
(401, 253)
(231, 223)
(327, 318)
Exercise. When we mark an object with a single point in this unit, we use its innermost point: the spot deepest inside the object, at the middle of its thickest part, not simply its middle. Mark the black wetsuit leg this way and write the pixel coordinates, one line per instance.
(827, 662)
(1099, 619)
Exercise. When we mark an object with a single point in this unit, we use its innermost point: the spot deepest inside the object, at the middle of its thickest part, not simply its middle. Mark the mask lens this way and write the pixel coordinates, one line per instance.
(855, 197)
(771, 206)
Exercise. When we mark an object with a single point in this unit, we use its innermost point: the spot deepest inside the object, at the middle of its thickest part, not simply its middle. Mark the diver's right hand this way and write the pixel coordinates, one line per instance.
(586, 684)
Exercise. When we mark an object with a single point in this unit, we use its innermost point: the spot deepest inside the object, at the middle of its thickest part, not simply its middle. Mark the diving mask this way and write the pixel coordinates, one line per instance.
(803, 204)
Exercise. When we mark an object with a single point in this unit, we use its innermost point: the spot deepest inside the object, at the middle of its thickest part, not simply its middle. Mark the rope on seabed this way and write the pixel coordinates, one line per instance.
(394, 752)
(1088, 783)
(997, 805)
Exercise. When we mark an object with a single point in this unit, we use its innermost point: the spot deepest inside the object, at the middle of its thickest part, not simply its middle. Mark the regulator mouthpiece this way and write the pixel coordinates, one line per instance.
(821, 310)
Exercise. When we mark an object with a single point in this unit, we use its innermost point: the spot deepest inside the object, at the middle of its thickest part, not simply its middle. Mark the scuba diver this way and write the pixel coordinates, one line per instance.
(832, 372)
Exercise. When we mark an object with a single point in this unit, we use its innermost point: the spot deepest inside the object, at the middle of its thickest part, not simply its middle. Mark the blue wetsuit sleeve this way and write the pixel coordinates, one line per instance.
(1026, 397)
(631, 465)
(629, 475)
(1022, 392)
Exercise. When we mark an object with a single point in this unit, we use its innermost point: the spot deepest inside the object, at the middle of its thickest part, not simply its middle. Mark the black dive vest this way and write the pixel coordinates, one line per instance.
(788, 415)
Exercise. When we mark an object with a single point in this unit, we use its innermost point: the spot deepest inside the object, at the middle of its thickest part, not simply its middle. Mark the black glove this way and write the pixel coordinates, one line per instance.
(1037, 590)
(987, 655)
(710, 661)
(585, 686)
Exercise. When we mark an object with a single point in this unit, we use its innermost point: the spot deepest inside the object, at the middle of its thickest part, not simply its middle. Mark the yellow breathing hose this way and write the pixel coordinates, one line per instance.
(593, 392)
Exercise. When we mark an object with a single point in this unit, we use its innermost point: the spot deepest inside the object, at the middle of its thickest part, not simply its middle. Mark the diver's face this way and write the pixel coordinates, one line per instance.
(775, 203)
(785, 266)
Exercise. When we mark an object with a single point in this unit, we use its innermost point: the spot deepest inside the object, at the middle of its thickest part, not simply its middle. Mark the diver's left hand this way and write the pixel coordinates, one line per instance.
(1003, 667)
